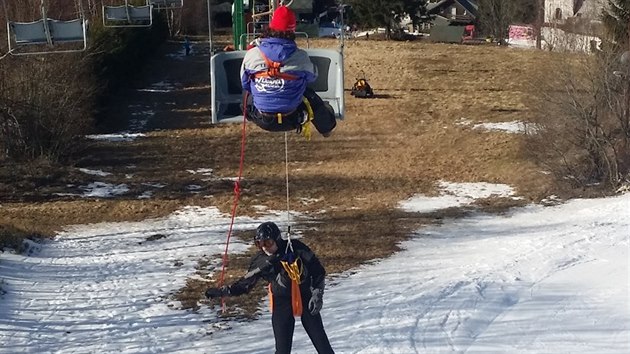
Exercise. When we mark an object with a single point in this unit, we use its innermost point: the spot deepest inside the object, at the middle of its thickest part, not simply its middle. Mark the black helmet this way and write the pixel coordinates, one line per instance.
(267, 231)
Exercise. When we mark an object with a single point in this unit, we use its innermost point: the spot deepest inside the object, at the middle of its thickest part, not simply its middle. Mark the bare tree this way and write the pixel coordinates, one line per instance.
(46, 105)
(46, 101)
(582, 132)
(495, 16)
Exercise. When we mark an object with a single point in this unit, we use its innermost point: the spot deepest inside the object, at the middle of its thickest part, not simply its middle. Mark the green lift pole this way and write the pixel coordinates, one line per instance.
(238, 25)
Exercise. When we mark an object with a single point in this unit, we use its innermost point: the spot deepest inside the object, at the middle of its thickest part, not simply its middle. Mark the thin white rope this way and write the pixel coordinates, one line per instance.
(5, 54)
(286, 170)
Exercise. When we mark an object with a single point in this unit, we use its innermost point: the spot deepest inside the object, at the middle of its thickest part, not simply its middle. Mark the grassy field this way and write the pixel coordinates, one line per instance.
(414, 133)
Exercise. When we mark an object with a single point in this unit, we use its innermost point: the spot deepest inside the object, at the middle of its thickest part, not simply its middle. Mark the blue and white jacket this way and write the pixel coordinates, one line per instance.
(277, 95)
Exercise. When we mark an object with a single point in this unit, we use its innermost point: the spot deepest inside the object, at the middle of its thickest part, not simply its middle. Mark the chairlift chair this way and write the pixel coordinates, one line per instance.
(227, 90)
(227, 96)
(251, 36)
(46, 36)
(128, 15)
(167, 4)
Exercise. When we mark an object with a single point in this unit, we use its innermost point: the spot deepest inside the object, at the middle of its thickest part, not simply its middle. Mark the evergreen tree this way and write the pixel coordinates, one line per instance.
(321, 5)
(387, 13)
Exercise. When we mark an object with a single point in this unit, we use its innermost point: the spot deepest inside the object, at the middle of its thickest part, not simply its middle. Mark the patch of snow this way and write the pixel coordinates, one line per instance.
(455, 195)
(103, 190)
(514, 127)
(202, 171)
(120, 137)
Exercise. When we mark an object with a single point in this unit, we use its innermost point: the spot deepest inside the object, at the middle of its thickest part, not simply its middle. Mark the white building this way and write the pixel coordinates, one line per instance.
(559, 11)
(572, 25)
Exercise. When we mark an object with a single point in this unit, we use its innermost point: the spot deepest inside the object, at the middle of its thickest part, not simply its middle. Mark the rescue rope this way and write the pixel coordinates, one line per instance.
(286, 179)
(237, 195)
(305, 129)
(292, 266)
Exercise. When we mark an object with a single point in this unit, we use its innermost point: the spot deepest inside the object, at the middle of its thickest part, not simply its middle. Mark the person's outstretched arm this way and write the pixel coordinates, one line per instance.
(261, 263)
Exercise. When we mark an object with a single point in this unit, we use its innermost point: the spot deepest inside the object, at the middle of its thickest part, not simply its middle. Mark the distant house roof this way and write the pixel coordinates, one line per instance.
(470, 5)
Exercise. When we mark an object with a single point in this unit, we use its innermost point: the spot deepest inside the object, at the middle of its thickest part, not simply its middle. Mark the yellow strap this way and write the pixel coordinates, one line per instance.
(294, 270)
(306, 127)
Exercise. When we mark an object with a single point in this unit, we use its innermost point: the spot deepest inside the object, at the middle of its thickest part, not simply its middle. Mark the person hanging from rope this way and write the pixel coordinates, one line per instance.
(295, 276)
(275, 74)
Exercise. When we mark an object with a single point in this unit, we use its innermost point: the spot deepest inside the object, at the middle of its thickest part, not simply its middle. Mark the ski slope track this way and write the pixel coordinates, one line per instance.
(536, 280)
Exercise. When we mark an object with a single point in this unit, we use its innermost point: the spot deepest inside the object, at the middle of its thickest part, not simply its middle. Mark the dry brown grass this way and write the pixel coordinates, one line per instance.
(387, 149)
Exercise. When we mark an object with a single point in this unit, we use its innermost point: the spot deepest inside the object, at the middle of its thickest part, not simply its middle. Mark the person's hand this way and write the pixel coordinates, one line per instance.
(212, 293)
(316, 302)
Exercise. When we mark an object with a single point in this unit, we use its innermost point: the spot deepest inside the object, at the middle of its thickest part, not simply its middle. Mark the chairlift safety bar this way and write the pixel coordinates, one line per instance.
(128, 16)
(167, 4)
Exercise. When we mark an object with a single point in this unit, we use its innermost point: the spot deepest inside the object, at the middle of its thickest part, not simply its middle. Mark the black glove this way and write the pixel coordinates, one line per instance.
(316, 302)
(212, 293)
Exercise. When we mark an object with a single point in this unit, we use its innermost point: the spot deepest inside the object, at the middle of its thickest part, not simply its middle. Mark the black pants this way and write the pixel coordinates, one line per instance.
(283, 324)
(323, 118)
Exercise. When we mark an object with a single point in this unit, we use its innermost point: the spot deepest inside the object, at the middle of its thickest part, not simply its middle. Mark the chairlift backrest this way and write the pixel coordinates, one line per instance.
(128, 16)
(167, 4)
(250, 36)
(227, 91)
(67, 31)
(28, 32)
(48, 32)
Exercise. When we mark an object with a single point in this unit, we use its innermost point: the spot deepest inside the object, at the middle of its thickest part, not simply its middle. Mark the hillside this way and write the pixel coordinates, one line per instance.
(417, 131)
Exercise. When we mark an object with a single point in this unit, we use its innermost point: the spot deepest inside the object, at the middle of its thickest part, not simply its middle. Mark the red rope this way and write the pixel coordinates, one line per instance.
(237, 195)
